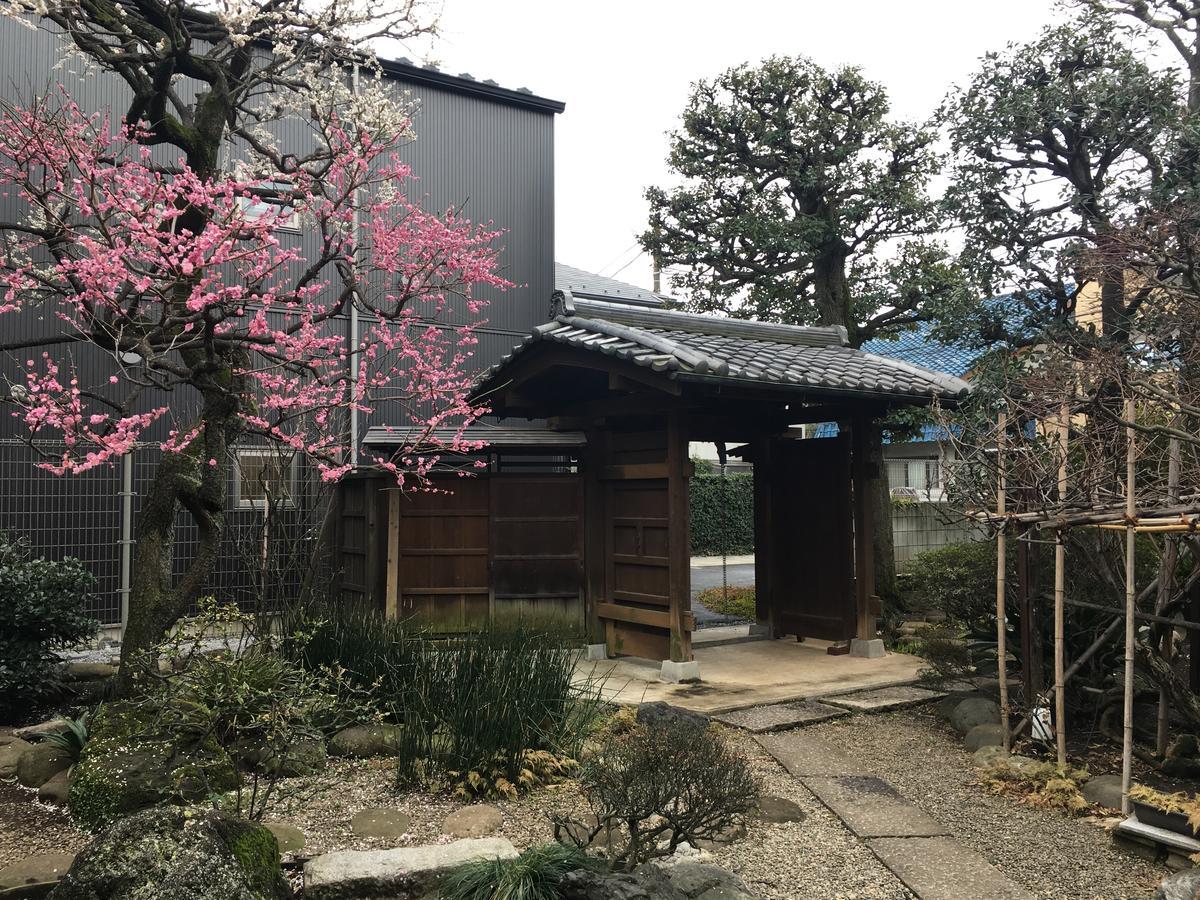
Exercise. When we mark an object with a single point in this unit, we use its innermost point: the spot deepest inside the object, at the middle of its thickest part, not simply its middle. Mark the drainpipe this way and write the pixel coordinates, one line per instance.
(354, 338)
(126, 535)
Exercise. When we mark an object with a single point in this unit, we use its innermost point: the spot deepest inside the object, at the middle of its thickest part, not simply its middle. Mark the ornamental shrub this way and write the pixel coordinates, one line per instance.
(722, 514)
(42, 612)
(960, 581)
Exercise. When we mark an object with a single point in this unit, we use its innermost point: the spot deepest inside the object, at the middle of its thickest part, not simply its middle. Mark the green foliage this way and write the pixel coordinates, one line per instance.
(945, 650)
(534, 875)
(737, 601)
(488, 713)
(72, 738)
(41, 612)
(960, 581)
(795, 181)
(722, 514)
(654, 787)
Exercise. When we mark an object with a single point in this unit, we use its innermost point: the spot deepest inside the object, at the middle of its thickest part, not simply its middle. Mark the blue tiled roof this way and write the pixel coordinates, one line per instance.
(919, 348)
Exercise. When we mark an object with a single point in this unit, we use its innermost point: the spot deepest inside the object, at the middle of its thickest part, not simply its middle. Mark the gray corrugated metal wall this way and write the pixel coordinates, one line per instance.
(493, 158)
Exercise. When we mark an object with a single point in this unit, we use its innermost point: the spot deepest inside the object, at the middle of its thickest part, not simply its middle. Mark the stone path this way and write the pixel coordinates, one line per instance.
(781, 716)
(912, 844)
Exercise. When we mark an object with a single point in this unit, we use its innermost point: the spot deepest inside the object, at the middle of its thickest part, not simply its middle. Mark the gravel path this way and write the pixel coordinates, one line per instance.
(28, 827)
(1052, 855)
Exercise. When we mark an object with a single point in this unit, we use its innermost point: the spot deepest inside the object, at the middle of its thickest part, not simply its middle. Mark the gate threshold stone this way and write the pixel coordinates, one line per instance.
(804, 754)
(940, 868)
(781, 716)
(884, 699)
(871, 807)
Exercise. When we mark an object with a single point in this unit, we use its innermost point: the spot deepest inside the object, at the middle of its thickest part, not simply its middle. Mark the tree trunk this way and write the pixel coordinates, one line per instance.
(881, 499)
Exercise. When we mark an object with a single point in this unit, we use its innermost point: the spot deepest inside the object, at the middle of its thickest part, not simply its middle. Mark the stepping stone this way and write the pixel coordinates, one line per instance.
(290, 838)
(940, 868)
(380, 822)
(871, 807)
(36, 874)
(780, 716)
(779, 809)
(884, 699)
(804, 754)
(473, 821)
(1104, 790)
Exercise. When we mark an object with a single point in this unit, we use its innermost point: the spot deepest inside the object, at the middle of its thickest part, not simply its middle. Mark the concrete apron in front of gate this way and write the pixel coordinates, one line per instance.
(736, 676)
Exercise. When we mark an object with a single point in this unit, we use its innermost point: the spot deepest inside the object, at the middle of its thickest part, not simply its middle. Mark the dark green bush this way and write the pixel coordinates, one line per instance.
(42, 611)
(722, 514)
(960, 581)
(534, 875)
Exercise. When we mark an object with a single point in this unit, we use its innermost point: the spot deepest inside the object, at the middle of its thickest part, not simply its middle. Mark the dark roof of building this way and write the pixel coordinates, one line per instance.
(466, 83)
(707, 348)
(921, 349)
(496, 436)
(596, 287)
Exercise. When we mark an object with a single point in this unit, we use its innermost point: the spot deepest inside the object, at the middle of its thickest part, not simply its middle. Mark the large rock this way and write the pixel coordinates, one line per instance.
(1180, 886)
(302, 757)
(405, 873)
(10, 755)
(125, 767)
(1103, 790)
(50, 726)
(473, 821)
(170, 854)
(988, 755)
(974, 711)
(658, 713)
(57, 789)
(34, 876)
(946, 706)
(647, 883)
(707, 882)
(290, 838)
(88, 671)
(40, 763)
(380, 822)
(362, 741)
(988, 735)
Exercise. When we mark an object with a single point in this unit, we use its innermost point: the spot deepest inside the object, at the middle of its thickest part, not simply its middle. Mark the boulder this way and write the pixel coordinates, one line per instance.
(88, 671)
(405, 873)
(380, 822)
(171, 854)
(988, 735)
(945, 707)
(1103, 790)
(1180, 886)
(34, 876)
(707, 882)
(290, 838)
(57, 789)
(647, 883)
(974, 711)
(1183, 758)
(303, 757)
(40, 763)
(10, 754)
(125, 766)
(473, 821)
(658, 713)
(362, 741)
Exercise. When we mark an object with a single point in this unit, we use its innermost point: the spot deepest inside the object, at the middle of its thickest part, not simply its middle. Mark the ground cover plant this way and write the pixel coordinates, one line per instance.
(42, 612)
(736, 600)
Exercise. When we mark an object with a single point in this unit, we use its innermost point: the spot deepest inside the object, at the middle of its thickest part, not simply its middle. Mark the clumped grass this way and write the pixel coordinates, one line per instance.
(1041, 784)
(737, 601)
(487, 712)
(534, 875)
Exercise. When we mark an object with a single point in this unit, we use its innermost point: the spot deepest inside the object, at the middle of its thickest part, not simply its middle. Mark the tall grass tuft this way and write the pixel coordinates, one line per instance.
(534, 875)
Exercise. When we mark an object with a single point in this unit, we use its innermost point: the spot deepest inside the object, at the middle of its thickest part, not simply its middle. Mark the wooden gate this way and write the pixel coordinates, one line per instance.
(812, 541)
(646, 608)
(486, 545)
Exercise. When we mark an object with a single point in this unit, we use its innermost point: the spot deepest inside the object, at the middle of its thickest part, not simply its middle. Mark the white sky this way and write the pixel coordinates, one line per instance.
(624, 68)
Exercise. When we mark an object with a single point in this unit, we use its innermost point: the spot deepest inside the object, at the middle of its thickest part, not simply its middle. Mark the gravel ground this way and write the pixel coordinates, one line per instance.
(1051, 854)
(28, 827)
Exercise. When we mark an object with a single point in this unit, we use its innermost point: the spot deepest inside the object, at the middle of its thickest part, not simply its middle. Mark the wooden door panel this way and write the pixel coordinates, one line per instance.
(812, 582)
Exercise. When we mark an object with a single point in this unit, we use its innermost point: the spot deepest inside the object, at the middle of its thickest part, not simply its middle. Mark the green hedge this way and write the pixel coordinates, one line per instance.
(722, 514)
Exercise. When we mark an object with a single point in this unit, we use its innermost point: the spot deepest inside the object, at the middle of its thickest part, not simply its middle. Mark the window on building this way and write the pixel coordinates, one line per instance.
(263, 474)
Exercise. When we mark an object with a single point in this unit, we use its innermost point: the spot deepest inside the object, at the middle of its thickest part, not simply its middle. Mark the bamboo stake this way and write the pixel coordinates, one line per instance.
(1130, 604)
(1166, 581)
(1001, 616)
(1060, 562)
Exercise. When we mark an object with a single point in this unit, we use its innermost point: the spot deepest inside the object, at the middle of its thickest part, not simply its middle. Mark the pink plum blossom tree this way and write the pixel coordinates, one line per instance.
(137, 243)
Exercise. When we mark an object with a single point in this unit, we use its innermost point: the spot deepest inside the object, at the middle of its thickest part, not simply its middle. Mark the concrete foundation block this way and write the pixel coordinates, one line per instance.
(760, 629)
(595, 651)
(678, 672)
(868, 649)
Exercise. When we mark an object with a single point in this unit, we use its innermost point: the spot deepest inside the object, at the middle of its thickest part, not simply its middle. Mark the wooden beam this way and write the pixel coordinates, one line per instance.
(764, 534)
(392, 602)
(864, 529)
(678, 539)
(618, 612)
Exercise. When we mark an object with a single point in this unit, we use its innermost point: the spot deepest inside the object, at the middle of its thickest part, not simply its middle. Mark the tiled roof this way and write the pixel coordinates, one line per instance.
(919, 348)
(596, 287)
(707, 348)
